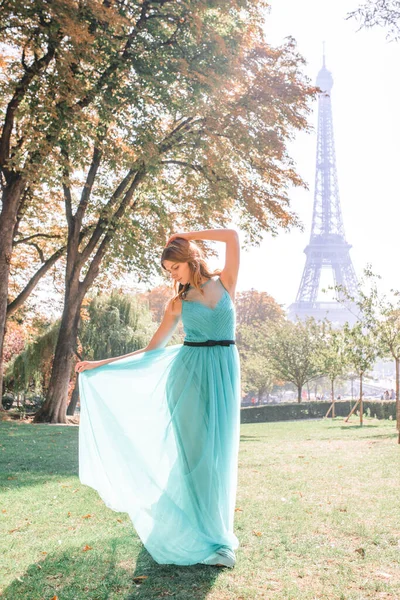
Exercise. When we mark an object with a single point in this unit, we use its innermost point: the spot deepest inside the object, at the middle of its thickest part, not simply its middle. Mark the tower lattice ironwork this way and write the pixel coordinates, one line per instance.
(328, 247)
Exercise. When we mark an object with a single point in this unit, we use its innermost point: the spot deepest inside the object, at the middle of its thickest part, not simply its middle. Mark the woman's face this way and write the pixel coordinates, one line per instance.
(179, 272)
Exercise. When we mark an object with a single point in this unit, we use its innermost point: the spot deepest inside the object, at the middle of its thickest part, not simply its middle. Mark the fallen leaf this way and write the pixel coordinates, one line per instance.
(44, 552)
(12, 530)
(238, 509)
(4, 510)
(54, 598)
(257, 533)
(86, 548)
(86, 516)
(139, 578)
(361, 552)
(39, 566)
(69, 514)
(77, 490)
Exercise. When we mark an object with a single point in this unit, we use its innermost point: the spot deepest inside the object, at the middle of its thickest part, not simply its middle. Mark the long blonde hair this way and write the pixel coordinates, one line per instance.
(183, 251)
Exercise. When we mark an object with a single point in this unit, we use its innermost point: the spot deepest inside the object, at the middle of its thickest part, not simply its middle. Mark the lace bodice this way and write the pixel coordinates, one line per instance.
(209, 315)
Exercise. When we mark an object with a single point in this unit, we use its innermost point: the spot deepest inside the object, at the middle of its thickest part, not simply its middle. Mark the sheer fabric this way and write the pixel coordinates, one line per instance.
(159, 435)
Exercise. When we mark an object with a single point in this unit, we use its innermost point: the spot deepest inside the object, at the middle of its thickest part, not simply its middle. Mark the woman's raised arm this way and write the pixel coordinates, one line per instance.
(229, 273)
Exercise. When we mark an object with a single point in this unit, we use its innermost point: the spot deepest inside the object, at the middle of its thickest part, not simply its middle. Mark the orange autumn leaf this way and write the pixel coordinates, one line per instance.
(257, 533)
(86, 548)
(238, 509)
(86, 516)
(54, 598)
(139, 578)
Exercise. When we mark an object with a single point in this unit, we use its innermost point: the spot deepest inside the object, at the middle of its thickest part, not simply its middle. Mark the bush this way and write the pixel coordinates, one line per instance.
(314, 410)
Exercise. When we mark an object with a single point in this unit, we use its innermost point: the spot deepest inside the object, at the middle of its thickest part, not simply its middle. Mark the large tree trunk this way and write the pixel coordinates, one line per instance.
(8, 219)
(54, 409)
(74, 399)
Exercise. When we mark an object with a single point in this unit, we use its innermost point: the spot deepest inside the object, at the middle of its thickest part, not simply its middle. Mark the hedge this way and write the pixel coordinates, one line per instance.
(380, 409)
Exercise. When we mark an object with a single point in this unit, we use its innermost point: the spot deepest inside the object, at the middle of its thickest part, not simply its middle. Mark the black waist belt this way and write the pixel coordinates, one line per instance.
(211, 343)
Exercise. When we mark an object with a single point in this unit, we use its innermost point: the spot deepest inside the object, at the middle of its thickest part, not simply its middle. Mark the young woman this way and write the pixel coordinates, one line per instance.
(159, 428)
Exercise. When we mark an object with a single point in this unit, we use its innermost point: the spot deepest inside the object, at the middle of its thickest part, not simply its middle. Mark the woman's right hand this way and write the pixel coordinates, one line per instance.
(85, 365)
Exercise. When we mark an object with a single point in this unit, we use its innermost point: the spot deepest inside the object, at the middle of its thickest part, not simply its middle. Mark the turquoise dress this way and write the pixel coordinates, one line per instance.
(159, 433)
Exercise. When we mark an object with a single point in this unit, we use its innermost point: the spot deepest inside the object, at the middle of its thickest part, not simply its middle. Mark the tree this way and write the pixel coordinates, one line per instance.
(362, 353)
(115, 324)
(381, 13)
(294, 352)
(257, 374)
(256, 313)
(157, 299)
(333, 356)
(381, 318)
(256, 307)
(32, 367)
(198, 136)
(44, 92)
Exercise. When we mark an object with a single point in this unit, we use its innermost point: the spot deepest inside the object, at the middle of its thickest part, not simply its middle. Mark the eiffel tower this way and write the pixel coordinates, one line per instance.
(328, 247)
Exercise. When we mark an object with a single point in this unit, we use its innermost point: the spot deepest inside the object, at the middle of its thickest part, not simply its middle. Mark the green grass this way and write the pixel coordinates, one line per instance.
(318, 517)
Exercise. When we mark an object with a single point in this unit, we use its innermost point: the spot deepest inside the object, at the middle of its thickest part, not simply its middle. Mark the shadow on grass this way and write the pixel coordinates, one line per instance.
(108, 571)
(192, 582)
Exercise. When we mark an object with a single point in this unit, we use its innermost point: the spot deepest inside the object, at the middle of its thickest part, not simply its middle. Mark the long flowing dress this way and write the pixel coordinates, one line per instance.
(159, 433)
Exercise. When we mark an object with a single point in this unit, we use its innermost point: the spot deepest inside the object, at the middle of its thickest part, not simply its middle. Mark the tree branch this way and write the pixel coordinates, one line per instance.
(95, 264)
(87, 189)
(18, 96)
(35, 235)
(104, 219)
(22, 296)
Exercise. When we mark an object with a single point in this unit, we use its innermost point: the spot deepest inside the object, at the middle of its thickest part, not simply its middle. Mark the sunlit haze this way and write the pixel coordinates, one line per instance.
(364, 66)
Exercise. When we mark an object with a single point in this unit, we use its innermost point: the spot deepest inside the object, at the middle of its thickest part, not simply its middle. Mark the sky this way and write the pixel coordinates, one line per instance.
(365, 105)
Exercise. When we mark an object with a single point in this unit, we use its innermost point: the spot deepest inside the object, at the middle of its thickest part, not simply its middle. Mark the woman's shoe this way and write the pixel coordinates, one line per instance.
(221, 558)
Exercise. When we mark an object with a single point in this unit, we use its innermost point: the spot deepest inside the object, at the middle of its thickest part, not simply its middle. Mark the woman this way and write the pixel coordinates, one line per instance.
(159, 428)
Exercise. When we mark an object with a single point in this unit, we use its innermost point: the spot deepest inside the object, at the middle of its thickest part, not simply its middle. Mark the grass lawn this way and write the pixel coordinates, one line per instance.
(318, 517)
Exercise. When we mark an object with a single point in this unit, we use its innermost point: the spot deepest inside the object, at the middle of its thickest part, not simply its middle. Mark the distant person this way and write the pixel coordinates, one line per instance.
(387, 395)
(392, 395)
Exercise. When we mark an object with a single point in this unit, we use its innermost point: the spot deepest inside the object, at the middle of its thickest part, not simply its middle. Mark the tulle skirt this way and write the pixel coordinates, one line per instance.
(158, 440)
